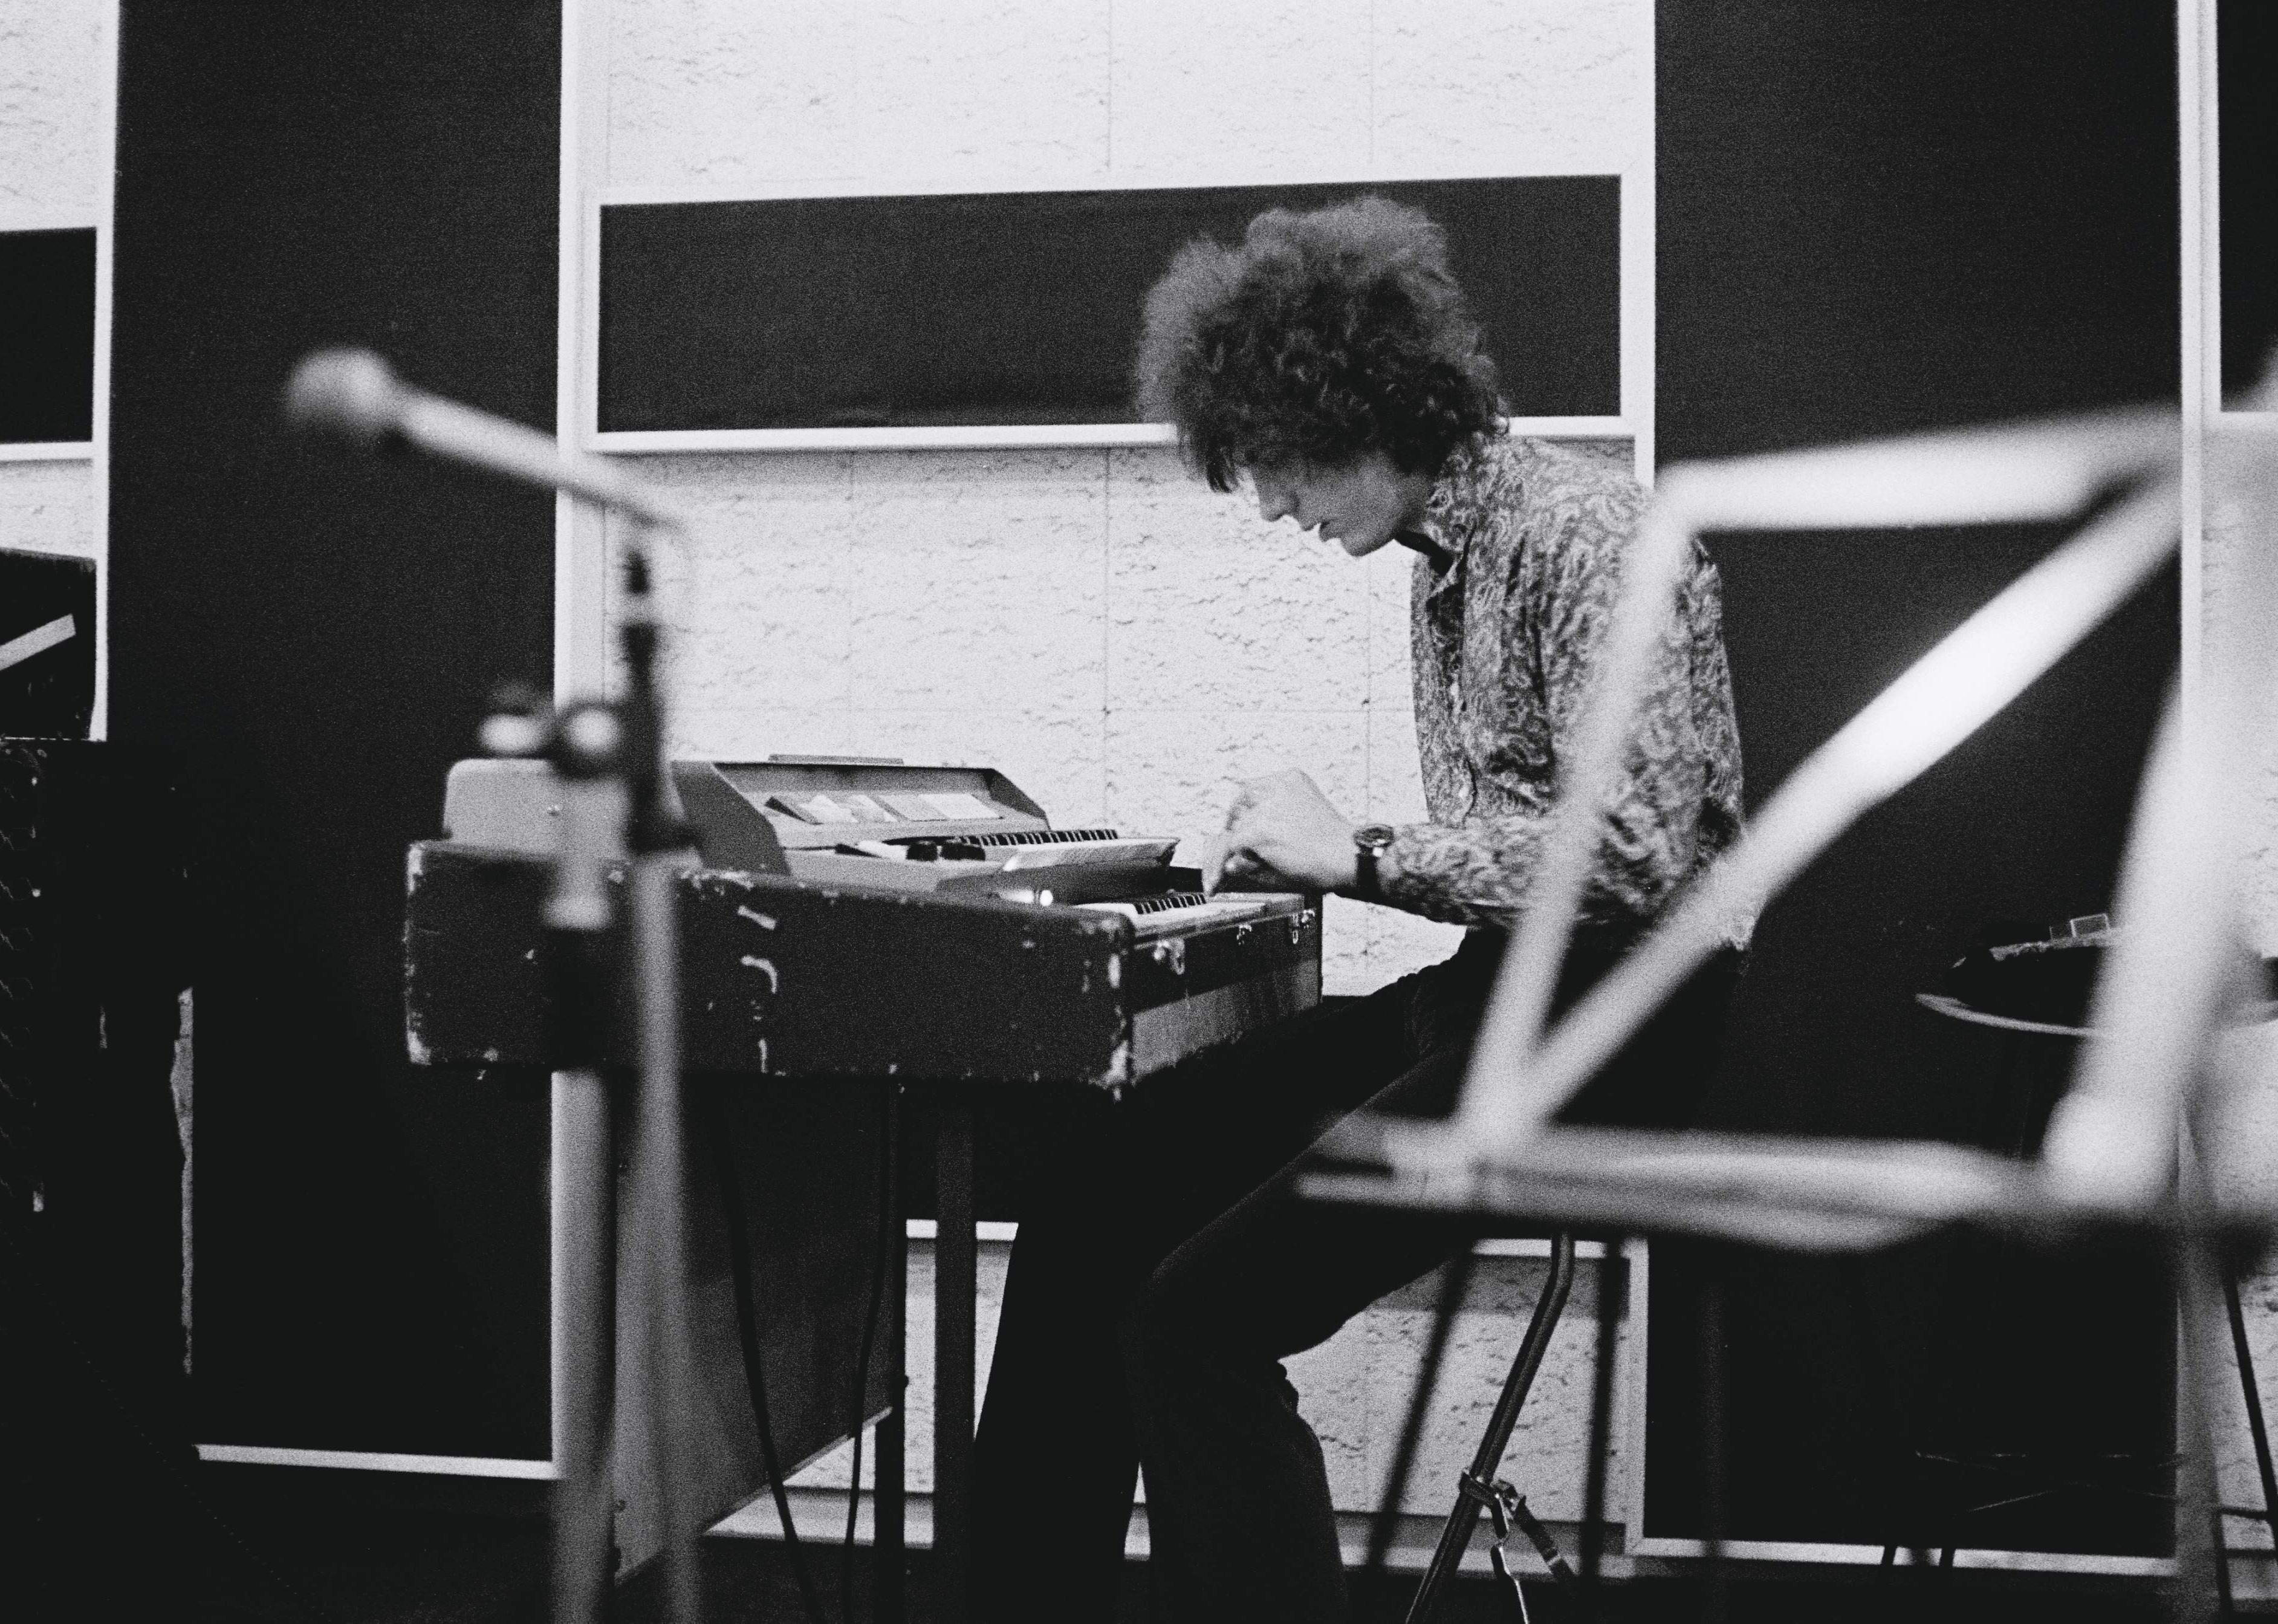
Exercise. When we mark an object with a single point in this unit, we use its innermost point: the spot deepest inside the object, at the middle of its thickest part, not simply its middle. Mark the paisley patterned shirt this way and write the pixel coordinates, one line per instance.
(1523, 544)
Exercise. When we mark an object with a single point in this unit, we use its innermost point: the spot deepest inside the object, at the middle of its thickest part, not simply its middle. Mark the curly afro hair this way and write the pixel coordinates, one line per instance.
(1326, 336)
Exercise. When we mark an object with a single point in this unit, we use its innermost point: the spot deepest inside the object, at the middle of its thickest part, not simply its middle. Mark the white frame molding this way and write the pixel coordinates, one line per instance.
(985, 437)
(366, 1460)
(46, 450)
(106, 155)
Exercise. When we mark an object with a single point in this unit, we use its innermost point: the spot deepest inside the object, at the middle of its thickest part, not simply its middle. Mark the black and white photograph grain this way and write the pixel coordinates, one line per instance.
(1138, 811)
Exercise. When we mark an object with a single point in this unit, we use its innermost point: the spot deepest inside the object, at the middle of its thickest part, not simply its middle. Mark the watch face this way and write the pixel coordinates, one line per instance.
(1373, 837)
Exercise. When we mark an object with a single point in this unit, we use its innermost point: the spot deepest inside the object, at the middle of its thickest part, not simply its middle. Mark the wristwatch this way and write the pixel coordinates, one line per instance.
(1368, 841)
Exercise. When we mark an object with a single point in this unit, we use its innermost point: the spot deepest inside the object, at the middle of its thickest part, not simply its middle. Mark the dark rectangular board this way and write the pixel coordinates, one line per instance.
(49, 695)
(1872, 220)
(2246, 75)
(1024, 307)
(314, 636)
(47, 336)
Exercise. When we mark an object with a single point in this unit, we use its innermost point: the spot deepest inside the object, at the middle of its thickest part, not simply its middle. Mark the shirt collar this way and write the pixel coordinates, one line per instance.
(1441, 535)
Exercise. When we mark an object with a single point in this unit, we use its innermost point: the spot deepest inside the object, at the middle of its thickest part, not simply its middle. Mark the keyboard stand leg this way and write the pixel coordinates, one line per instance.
(954, 1283)
(887, 1543)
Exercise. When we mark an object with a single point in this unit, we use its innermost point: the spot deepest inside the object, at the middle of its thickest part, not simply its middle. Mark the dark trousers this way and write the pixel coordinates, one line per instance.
(1166, 1268)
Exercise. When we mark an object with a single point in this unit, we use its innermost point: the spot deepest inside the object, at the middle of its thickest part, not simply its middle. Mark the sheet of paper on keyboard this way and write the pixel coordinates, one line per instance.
(813, 809)
(961, 804)
(915, 809)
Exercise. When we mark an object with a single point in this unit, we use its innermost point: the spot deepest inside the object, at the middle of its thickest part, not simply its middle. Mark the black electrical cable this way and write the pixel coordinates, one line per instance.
(880, 1256)
(748, 1332)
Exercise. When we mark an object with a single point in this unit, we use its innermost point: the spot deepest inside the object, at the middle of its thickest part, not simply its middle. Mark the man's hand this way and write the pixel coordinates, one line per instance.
(1282, 833)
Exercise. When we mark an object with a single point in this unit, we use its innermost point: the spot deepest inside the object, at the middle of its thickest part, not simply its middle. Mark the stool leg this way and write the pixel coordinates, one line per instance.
(1456, 1534)
(1610, 1273)
(2251, 1391)
(1455, 1280)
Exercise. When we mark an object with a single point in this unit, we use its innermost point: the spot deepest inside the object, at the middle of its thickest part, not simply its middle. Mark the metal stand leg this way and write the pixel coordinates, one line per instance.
(585, 1275)
(887, 1506)
(2250, 1391)
(1481, 1487)
(1611, 1279)
(1713, 1439)
(1455, 1280)
(954, 1272)
(659, 1209)
(2200, 1586)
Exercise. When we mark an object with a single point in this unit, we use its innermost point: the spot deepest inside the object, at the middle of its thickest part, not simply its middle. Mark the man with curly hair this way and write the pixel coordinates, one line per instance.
(1166, 1267)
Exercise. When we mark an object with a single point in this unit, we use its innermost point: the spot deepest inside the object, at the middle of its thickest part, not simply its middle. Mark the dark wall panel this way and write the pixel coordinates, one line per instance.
(312, 638)
(2246, 73)
(49, 693)
(46, 335)
(1873, 220)
(1023, 307)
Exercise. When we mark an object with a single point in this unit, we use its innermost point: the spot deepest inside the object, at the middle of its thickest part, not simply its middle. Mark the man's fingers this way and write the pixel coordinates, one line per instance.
(1215, 851)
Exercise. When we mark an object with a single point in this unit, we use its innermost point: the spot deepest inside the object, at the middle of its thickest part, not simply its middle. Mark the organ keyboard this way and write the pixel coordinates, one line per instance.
(960, 937)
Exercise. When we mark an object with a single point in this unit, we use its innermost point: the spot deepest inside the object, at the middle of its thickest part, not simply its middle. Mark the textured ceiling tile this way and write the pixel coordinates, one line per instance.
(979, 581)
(1240, 91)
(1062, 473)
(758, 602)
(48, 507)
(772, 617)
(1209, 607)
(1173, 772)
(1345, 971)
(1550, 86)
(50, 103)
(754, 732)
(725, 93)
(2237, 519)
(1332, 1383)
(1058, 758)
(1399, 943)
(1389, 574)
(990, 91)
(1548, 1448)
(1395, 779)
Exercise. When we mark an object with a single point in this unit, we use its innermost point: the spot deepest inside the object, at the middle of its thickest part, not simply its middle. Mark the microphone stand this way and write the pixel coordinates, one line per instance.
(353, 393)
(592, 745)
(661, 849)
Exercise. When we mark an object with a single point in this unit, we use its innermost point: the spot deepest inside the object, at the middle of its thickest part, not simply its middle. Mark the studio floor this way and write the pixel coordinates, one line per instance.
(264, 1545)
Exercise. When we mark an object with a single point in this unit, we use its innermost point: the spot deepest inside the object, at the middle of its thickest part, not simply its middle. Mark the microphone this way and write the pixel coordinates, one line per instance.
(353, 393)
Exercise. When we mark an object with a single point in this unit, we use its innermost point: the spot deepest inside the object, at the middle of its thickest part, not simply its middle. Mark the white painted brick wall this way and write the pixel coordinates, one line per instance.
(48, 507)
(2234, 522)
(50, 122)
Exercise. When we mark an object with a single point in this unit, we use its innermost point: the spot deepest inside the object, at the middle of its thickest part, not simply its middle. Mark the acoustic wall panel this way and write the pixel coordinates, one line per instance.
(46, 335)
(312, 637)
(2246, 75)
(1874, 220)
(1023, 307)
